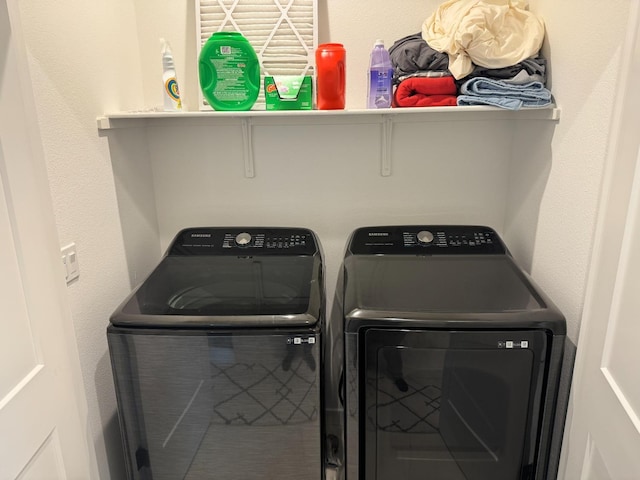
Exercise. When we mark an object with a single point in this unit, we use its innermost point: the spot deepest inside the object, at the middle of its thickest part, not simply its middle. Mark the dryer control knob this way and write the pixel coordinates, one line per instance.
(425, 236)
(243, 239)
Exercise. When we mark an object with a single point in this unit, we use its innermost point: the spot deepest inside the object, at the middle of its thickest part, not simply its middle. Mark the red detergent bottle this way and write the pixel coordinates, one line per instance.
(330, 76)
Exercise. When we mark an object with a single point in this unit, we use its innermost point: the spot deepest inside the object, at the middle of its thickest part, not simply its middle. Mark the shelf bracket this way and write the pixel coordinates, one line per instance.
(247, 143)
(103, 123)
(385, 145)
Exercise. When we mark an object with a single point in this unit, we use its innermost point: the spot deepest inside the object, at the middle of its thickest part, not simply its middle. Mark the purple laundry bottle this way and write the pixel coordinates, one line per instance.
(380, 77)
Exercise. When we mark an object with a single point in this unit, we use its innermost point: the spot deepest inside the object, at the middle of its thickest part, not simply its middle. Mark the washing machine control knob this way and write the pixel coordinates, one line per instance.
(425, 236)
(243, 239)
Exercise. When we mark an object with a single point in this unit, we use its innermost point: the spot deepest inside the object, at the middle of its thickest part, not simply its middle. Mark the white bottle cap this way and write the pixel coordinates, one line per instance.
(379, 42)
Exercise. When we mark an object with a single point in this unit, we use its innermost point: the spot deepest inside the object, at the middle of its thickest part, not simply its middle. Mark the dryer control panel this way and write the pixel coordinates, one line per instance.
(244, 241)
(426, 239)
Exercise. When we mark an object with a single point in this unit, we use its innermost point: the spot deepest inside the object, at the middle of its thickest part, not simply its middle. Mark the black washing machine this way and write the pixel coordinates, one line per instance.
(217, 358)
(452, 357)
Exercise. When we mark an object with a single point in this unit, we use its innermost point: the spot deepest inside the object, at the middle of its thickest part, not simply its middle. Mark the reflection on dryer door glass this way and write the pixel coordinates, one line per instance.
(456, 414)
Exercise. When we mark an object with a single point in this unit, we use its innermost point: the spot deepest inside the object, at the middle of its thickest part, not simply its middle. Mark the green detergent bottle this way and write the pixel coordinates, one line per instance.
(229, 72)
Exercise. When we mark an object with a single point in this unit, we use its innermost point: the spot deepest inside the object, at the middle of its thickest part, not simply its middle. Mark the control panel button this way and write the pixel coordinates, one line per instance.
(243, 238)
(425, 236)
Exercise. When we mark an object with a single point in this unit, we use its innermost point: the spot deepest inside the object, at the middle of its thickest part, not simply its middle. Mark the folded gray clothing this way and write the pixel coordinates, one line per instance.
(488, 91)
(535, 67)
(523, 77)
(411, 54)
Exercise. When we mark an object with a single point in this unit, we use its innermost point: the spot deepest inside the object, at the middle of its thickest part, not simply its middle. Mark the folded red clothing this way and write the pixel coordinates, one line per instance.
(425, 92)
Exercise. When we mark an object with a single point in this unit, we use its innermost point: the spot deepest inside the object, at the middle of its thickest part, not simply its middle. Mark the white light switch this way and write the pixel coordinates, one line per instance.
(70, 262)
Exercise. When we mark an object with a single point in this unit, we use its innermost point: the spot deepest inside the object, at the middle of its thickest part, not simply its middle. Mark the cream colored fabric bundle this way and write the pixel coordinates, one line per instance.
(489, 33)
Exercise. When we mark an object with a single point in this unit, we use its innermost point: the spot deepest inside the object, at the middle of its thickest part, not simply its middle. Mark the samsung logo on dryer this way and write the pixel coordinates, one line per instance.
(378, 234)
(200, 235)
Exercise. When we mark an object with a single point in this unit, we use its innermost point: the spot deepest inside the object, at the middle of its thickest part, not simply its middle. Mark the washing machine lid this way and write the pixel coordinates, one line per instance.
(466, 284)
(442, 276)
(227, 277)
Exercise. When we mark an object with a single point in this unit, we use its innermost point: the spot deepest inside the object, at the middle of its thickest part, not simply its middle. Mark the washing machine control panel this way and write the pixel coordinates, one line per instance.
(426, 239)
(244, 241)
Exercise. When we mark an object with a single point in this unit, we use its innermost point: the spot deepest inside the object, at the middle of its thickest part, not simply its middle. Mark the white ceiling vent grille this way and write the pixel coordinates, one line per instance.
(283, 33)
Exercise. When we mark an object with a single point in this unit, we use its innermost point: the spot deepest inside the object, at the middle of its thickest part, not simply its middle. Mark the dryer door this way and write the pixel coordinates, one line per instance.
(451, 405)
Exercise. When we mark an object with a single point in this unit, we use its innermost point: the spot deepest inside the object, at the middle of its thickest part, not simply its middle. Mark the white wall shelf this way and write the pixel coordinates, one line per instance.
(386, 118)
(145, 118)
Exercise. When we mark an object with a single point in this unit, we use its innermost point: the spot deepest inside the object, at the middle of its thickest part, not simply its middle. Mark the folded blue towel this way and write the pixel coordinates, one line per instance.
(498, 93)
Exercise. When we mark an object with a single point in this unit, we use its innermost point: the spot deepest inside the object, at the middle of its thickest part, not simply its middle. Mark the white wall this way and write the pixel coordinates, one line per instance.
(120, 200)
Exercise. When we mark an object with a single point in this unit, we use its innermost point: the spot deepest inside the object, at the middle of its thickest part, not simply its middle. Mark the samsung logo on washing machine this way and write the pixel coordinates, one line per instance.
(200, 235)
(378, 234)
